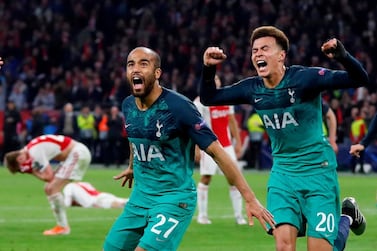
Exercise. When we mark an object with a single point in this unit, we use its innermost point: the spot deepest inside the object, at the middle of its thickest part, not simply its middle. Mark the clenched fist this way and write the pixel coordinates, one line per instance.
(213, 56)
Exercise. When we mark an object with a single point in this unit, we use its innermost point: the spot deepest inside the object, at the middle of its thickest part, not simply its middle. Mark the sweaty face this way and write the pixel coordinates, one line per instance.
(141, 72)
(267, 56)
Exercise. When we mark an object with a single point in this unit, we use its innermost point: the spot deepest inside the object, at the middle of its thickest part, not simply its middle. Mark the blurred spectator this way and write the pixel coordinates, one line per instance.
(12, 118)
(77, 94)
(190, 89)
(95, 92)
(115, 150)
(370, 112)
(256, 133)
(87, 127)
(118, 92)
(346, 105)
(3, 93)
(45, 98)
(18, 95)
(357, 132)
(67, 122)
(335, 107)
(100, 117)
(51, 126)
(35, 125)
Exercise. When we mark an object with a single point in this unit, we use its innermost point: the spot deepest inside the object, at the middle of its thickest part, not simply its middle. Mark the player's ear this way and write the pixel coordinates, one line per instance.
(282, 55)
(157, 73)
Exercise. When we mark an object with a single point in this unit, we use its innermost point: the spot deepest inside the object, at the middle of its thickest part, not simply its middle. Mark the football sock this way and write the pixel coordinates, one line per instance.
(236, 198)
(349, 218)
(343, 231)
(202, 200)
(58, 208)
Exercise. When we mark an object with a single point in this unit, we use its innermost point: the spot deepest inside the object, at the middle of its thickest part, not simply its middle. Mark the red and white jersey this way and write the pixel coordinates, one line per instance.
(81, 194)
(217, 118)
(43, 149)
(88, 188)
(84, 194)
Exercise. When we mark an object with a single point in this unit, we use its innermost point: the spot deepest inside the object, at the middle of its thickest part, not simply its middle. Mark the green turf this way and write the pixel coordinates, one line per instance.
(25, 213)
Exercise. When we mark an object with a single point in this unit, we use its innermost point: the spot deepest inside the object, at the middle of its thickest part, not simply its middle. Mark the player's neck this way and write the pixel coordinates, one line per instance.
(274, 78)
(145, 102)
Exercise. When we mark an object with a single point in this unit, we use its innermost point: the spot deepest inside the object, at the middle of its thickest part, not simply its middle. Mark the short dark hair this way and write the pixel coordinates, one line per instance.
(270, 31)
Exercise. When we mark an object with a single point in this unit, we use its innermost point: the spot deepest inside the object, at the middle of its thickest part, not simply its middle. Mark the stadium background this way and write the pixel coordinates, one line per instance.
(75, 51)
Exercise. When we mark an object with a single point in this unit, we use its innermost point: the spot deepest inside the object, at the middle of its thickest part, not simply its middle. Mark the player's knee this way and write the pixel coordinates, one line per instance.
(50, 189)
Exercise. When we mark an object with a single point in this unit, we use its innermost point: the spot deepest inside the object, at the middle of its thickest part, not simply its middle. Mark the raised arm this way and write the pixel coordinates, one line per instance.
(231, 94)
(357, 75)
(211, 57)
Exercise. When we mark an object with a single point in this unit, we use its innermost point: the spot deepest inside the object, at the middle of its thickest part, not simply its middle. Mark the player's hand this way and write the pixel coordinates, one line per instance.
(213, 56)
(334, 146)
(333, 48)
(127, 175)
(356, 149)
(26, 169)
(256, 209)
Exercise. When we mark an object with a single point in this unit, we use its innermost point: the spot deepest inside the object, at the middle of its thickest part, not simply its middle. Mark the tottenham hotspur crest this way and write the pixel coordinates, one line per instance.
(291, 93)
(159, 126)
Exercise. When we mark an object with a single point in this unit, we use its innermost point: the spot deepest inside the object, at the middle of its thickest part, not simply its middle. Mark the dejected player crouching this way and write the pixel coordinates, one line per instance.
(74, 159)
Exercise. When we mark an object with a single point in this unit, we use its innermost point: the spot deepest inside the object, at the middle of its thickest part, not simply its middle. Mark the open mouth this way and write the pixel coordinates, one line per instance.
(261, 63)
(137, 81)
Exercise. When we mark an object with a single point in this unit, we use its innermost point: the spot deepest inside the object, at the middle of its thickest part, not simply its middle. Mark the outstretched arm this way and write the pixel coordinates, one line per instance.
(229, 167)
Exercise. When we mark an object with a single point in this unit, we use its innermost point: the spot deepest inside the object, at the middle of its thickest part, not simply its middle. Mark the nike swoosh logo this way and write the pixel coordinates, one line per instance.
(127, 125)
(257, 100)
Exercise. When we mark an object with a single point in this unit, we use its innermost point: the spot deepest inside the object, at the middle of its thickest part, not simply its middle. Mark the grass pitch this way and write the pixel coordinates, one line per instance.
(25, 213)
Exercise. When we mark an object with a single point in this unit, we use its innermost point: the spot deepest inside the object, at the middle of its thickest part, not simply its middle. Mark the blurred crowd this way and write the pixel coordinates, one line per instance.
(63, 51)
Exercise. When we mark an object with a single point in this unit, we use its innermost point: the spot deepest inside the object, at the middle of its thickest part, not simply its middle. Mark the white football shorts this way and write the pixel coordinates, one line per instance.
(209, 167)
(105, 200)
(76, 164)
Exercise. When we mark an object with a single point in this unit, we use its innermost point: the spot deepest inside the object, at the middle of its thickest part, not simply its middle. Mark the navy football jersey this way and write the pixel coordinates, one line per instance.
(291, 112)
(163, 138)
